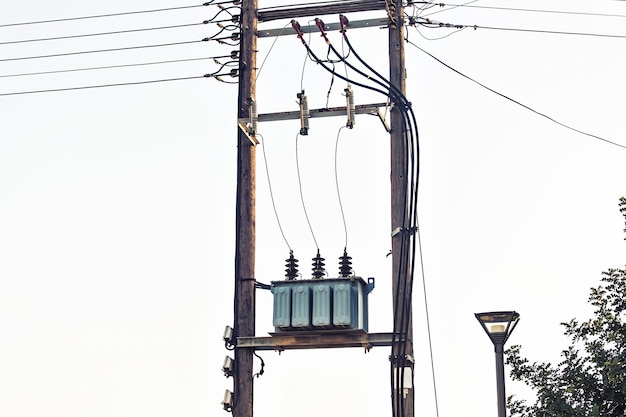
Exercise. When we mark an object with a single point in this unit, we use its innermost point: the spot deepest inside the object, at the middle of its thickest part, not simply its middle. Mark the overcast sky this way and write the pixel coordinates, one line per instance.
(117, 204)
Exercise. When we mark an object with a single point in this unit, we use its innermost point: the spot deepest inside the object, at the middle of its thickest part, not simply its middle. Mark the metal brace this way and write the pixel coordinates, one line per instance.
(399, 230)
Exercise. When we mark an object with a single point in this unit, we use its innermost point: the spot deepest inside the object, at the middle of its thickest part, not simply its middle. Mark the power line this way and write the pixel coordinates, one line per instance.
(515, 101)
(114, 66)
(105, 15)
(103, 50)
(55, 90)
(434, 24)
(519, 10)
(104, 33)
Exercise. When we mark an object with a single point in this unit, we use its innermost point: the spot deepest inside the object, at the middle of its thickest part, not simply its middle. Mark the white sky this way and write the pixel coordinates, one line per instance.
(117, 207)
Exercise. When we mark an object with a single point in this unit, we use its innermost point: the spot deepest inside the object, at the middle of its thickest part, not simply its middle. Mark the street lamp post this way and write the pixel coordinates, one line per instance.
(499, 325)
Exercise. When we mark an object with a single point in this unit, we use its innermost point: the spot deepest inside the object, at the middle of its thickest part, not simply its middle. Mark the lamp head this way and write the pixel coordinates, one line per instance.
(498, 325)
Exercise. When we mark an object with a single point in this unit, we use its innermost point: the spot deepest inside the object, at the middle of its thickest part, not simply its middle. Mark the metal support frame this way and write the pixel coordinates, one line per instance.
(330, 27)
(316, 340)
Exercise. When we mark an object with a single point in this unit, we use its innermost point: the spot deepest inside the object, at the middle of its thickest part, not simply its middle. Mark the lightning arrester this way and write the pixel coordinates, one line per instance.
(304, 113)
(254, 117)
(350, 108)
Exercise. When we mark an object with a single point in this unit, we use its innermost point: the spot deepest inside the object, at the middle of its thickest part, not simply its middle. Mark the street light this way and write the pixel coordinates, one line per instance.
(499, 325)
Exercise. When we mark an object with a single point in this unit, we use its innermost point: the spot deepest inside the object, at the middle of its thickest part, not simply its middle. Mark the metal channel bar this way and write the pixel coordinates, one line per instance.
(345, 6)
(329, 112)
(357, 24)
(316, 340)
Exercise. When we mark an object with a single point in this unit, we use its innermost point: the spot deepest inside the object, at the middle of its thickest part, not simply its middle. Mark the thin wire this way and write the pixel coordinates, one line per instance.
(305, 59)
(467, 5)
(302, 194)
(517, 102)
(452, 7)
(104, 33)
(439, 38)
(103, 15)
(343, 216)
(427, 313)
(553, 32)
(110, 67)
(270, 50)
(269, 183)
(99, 86)
(103, 50)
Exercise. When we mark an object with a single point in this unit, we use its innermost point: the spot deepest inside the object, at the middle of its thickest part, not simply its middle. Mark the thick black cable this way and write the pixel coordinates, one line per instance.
(104, 50)
(402, 312)
(517, 102)
(55, 90)
(67, 19)
(117, 32)
(398, 93)
(140, 64)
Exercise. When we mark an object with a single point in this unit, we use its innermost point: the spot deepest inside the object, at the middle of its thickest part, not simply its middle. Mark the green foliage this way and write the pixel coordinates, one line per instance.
(590, 381)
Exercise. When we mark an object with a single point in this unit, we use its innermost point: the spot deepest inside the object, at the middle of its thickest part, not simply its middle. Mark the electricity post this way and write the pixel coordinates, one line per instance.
(244, 308)
(404, 365)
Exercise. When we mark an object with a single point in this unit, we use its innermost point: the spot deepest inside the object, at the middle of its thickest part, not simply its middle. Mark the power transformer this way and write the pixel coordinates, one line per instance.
(321, 304)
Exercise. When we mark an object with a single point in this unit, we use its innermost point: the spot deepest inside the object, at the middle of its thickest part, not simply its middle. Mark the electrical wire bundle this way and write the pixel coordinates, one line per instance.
(406, 231)
(226, 33)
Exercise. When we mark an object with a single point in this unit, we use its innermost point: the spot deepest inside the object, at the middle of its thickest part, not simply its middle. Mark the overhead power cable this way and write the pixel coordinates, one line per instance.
(514, 9)
(515, 101)
(67, 19)
(104, 33)
(435, 24)
(138, 64)
(103, 50)
(55, 90)
(217, 75)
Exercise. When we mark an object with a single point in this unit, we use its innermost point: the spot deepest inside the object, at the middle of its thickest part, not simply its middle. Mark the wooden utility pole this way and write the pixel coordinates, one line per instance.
(245, 308)
(398, 201)
(246, 342)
